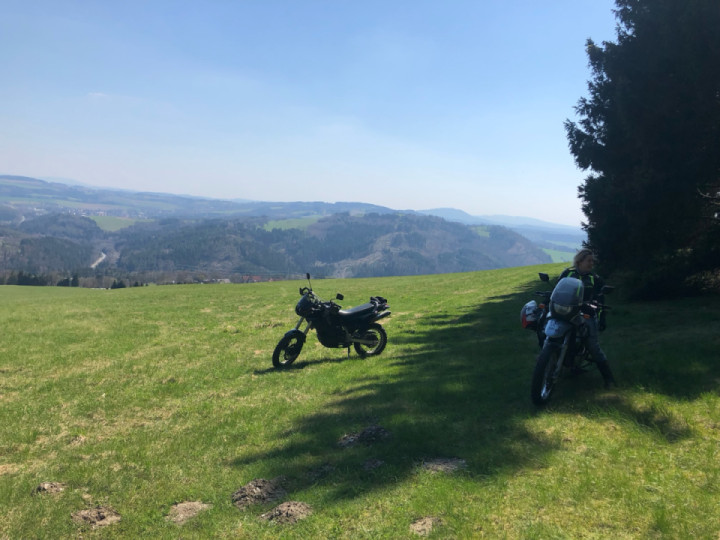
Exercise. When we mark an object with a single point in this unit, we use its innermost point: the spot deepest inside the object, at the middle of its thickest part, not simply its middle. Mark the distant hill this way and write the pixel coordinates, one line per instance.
(29, 193)
(453, 214)
(51, 227)
(31, 196)
(546, 235)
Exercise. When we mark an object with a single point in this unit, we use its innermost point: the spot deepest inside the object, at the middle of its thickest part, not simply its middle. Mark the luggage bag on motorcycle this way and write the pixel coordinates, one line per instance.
(529, 315)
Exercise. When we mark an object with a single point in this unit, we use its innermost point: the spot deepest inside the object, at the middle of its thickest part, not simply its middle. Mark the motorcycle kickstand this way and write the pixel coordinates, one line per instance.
(348, 349)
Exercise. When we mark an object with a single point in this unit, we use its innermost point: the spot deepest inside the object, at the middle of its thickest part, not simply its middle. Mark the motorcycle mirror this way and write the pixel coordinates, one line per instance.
(307, 276)
(339, 296)
(543, 276)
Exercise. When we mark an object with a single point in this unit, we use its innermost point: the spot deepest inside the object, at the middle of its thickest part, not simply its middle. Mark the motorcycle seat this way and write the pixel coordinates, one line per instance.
(357, 310)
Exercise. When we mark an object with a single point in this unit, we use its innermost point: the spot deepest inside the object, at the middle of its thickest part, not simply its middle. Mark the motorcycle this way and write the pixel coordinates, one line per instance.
(335, 327)
(560, 324)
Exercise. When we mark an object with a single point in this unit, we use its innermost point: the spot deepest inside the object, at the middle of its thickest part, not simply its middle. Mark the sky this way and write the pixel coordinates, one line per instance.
(409, 104)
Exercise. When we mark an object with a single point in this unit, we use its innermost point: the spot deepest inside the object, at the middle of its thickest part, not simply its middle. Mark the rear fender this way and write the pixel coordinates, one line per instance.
(363, 323)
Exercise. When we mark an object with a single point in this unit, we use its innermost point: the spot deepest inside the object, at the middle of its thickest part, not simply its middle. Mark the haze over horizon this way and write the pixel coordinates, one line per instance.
(408, 105)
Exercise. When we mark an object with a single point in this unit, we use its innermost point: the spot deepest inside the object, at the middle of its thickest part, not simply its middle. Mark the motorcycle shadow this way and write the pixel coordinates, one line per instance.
(302, 364)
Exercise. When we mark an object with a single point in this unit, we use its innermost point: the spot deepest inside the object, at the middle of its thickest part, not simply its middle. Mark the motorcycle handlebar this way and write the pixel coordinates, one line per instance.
(596, 305)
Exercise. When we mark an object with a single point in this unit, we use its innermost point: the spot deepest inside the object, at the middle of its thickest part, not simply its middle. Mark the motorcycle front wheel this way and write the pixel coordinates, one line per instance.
(543, 378)
(288, 349)
(376, 339)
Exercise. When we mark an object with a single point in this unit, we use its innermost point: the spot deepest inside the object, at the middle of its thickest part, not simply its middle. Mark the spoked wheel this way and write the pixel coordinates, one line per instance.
(373, 339)
(544, 379)
(288, 349)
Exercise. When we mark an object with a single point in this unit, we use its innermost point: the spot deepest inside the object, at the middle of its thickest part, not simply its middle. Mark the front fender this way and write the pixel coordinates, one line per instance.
(295, 333)
(556, 328)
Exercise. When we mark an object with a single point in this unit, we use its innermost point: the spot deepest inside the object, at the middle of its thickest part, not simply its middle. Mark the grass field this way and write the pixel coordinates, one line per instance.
(134, 400)
(113, 223)
(560, 256)
(292, 223)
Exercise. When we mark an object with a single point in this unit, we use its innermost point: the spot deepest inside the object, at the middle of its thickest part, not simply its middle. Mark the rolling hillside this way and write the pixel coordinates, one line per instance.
(54, 229)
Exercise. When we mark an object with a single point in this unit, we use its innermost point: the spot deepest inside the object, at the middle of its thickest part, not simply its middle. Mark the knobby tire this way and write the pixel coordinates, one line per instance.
(376, 333)
(287, 350)
(542, 378)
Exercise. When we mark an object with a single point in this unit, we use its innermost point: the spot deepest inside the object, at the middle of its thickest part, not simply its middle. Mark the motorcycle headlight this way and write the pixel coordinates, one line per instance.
(561, 309)
(304, 306)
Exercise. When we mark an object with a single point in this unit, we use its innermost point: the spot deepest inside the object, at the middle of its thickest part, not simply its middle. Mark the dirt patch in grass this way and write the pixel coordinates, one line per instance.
(182, 512)
(444, 465)
(77, 440)
(372, 464)
(424, 526)
(369, 435)
(99, 516)
(288, 512)
(9, 468)
(320, 472)
(49, 487)
(259, 491)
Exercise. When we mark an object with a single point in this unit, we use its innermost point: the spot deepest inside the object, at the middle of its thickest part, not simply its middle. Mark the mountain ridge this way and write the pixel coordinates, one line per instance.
(270, 208)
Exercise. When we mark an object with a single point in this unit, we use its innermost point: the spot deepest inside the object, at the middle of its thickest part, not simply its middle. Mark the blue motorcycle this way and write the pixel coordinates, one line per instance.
(562, 331)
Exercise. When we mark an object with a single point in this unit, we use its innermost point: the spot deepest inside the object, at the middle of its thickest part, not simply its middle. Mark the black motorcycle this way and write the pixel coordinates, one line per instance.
(559, 322)
(335, 327)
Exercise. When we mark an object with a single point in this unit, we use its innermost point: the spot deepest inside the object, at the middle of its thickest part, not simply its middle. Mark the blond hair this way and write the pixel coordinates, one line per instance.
(581, 255)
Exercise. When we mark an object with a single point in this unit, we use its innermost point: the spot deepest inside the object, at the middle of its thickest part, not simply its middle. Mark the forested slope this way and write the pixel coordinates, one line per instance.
(340, 245)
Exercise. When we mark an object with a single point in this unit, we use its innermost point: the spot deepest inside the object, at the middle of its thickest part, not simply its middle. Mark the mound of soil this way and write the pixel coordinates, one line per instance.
(424, 526)
(49, 487)
(259, 491)
(181, 512)
(288, 512)
(99, 516)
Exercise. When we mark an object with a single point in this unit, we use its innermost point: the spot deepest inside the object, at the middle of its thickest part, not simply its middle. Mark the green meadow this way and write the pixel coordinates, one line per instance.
(132, 401)
(292, 223)
(560, 256)
(114, 223)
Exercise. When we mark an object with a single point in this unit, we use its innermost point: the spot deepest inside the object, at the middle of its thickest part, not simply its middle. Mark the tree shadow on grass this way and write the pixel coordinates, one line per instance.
(459, 389)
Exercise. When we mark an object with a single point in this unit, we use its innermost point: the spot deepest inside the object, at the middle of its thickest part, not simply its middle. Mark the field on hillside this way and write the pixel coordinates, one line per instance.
(560, 256)
(294, 223)
(113, 223)
(154, 412)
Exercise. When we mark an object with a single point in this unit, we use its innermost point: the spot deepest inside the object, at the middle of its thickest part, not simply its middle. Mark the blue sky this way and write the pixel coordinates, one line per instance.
(410, 104)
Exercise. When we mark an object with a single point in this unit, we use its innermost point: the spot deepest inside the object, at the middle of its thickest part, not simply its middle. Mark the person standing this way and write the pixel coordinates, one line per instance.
(582, 269)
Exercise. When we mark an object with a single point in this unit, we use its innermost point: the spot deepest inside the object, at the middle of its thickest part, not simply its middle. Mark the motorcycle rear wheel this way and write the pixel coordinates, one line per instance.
(543, 381)
(375, 333)
(288, 349)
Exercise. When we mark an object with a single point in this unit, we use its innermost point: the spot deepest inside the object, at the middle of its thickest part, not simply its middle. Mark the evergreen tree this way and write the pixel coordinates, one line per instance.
(649, 133)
